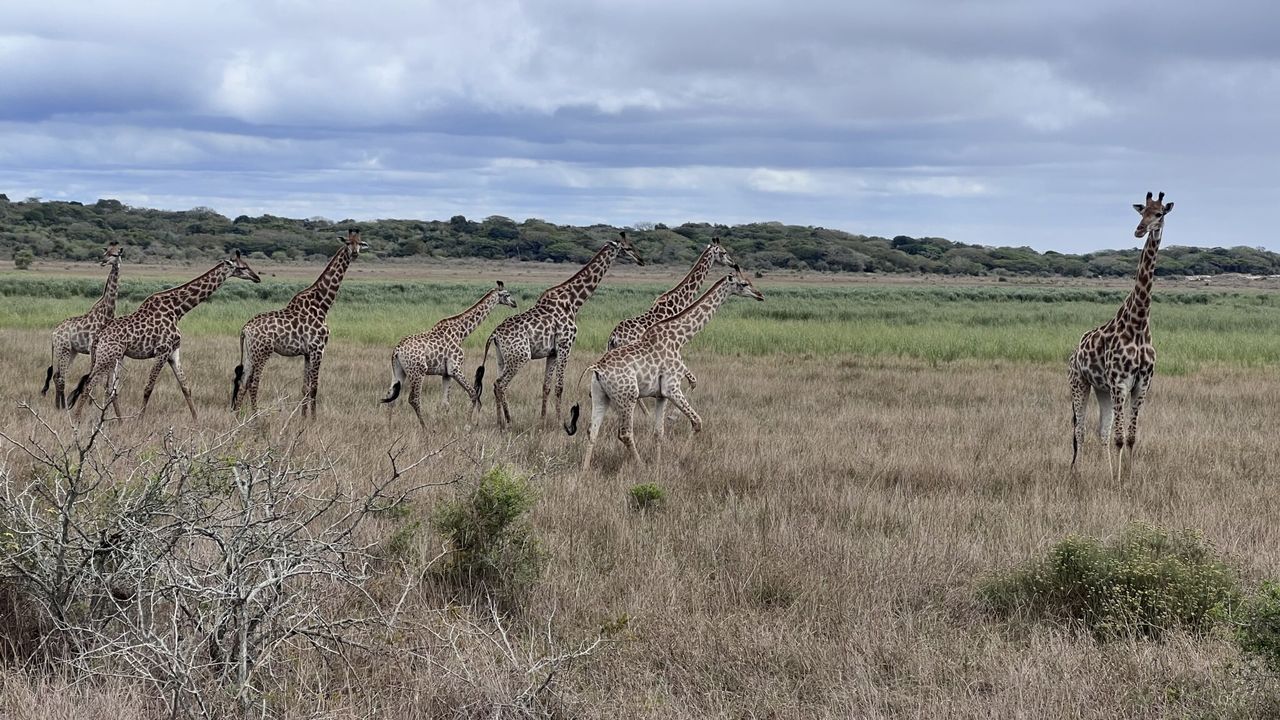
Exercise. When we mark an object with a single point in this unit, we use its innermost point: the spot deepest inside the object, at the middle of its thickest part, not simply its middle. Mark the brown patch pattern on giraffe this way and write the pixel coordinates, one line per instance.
(298, 328)
(671, 302)
(1117, 360)
(151, 331)
(74, 336)
(547, 330)
(653, 367)
(438, 351)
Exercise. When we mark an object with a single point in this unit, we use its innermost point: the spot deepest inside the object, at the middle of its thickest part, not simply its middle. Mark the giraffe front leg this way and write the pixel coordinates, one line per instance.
(1136, 397)
(678, 399)
(1117, 434)
(161, 359)
(548, 376)
(311, 382)
(175, 364)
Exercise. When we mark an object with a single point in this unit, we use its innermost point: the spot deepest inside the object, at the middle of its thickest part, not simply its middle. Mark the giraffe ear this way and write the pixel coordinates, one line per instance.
(715, 241)
(237, 253)
(1168, 208)
(501, 286)
(1139, 207)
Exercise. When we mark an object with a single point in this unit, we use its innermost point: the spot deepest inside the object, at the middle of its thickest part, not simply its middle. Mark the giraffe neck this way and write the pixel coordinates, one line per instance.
(574, 292)
(468, 320)
(324, 290)
(692, 319)
(1136, 307)
(687, 289)
(106, 305)
(179, 301)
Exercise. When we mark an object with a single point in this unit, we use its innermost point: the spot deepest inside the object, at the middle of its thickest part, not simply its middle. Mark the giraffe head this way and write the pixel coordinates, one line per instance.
(719, 254)
(111, 256)
(241, 269)
(625, 247)
(504, 297)
(1153, 212)
(354, 243)
(740, 285)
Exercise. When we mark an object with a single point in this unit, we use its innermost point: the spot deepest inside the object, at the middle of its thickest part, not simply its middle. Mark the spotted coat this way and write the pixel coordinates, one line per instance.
(151, 331)
(1117, 360)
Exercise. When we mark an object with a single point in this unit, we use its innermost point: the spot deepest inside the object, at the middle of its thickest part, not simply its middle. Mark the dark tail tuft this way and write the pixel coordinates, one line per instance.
(395, 392)
(75, 394)
(48, 375)
(235, 384)
(479, 383)
(571, 427)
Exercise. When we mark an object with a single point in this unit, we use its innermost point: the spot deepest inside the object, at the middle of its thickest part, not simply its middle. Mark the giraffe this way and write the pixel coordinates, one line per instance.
(547, 330)
(296, 329)
(652, 367)
(674, 300)
(1117, 359)
(439, 352)
(74, 336)
(149, 332)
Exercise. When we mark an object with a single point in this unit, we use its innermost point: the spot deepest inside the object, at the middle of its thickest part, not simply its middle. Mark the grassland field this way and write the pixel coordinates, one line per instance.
(871, 452)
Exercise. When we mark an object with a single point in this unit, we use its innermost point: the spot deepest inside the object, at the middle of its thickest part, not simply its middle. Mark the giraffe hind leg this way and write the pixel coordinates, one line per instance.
(1079, 395)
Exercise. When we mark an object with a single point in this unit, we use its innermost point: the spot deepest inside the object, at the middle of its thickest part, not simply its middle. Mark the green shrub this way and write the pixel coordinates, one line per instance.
(489, 533)
(1146, 582)
(647, 496)
(23, 258)
(1259, 628)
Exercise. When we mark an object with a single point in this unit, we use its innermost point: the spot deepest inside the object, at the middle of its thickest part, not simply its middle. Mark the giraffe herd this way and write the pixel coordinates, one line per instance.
(642, 360)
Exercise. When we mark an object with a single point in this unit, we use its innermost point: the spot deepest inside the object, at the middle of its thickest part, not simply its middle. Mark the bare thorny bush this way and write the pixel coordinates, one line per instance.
(203, 569)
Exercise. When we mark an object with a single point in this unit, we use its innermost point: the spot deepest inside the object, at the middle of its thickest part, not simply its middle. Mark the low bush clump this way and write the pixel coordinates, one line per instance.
(1145, 583)
(1259, 626)
(488, 530)
(647, 496)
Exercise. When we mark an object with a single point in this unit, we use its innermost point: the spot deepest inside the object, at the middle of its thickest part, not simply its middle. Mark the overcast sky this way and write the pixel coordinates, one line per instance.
(1001, 122)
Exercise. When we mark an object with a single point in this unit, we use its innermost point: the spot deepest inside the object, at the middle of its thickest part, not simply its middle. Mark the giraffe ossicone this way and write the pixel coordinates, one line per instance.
(1116, 360)
(438, 351)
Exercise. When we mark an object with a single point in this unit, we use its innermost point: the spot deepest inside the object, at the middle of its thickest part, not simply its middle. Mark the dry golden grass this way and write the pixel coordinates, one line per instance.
(819, 548)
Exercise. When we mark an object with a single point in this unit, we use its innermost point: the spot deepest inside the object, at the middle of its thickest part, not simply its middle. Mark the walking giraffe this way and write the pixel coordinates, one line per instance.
(151, 331)
(547, 330)
(438, 351)
(74, 336)
(298, 328)
(674, 300)
(1117, 358)
(652, 367)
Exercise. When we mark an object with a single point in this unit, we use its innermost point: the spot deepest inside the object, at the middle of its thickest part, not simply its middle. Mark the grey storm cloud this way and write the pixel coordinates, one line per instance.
(994, 122)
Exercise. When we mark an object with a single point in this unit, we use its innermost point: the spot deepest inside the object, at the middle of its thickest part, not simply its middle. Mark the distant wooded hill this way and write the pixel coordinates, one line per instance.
(75, 231)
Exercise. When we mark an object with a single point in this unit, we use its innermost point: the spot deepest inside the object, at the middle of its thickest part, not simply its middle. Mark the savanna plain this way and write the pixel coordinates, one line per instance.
(873, 454)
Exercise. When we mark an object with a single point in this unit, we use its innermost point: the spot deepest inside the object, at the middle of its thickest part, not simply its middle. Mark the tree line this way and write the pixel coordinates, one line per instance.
(67, 230)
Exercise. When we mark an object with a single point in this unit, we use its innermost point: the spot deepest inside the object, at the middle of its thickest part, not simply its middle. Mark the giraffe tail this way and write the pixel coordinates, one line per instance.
(48, 376)
(479, 381)
(75, 394)
(571, 427)
(235, 382)
(397, 377)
